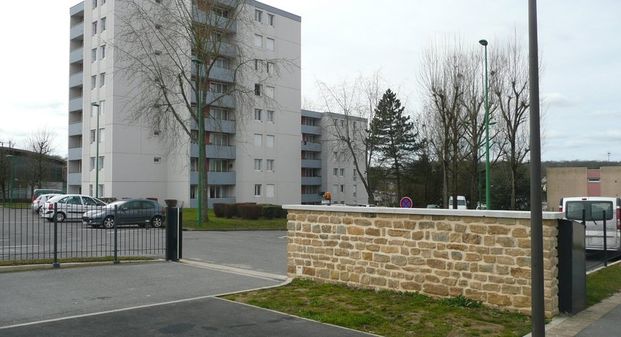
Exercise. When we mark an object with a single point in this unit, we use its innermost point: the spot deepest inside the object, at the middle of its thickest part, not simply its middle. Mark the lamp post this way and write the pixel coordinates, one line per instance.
(487, 168)
(94, 104)
(201, 142)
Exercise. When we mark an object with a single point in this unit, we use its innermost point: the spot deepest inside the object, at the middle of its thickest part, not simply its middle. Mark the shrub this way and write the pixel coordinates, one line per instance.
(230, 210)
(237, 214)
(272, 211)
(219, 210)
(249, 211)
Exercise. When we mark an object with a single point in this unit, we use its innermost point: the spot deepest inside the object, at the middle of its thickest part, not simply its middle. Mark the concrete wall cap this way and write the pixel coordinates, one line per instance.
(424, 211)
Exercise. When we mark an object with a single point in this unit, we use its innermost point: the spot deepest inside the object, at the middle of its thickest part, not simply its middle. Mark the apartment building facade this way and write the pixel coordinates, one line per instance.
(327, 163)
(562, 182)
(253, 146)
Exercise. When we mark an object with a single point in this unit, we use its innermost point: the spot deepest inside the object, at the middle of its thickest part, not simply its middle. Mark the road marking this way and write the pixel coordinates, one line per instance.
(233, 270)
(282, 237)
(139, 307)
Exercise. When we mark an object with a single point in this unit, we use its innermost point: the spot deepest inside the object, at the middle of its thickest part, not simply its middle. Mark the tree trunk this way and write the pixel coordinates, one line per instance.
(513, 184)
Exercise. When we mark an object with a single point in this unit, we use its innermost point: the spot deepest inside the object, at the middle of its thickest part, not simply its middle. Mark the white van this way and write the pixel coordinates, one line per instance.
(461, 202)
(593, 209)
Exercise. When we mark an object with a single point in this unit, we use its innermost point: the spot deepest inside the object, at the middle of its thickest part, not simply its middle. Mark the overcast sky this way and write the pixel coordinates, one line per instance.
(578, 42)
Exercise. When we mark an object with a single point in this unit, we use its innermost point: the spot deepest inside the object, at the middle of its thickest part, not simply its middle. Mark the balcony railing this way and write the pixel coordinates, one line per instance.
(215, 151)
(76, 55)
(311, 129)
(74, 178)
(216, 21)
(315, 147)
(74, 153)
(79, 8)
(75, 104)
(75, 80)
(219, 125)
(311, 180)
(308, 198)
(216, 178)
(76, 31)
(311, 163)
(75, 129)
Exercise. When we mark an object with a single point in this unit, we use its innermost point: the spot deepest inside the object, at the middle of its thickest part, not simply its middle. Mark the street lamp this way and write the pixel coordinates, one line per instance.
(201, 142)
(94, 104)
(487, 168)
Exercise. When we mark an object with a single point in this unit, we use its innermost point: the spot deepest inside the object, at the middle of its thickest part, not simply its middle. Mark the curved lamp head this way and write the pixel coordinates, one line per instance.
(483, 42)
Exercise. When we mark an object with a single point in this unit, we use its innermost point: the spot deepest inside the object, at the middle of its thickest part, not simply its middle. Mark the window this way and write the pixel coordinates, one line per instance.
(336, 156)
(100, 135)
(103, 51)
(102, 108)
(269, 141)
(93, 55)
(258, 139)
(269, 165)
(194, 164)
(270, 67)
(269, 191)
(257, 164)
(258, 40)
(90, 189)
(269, 92)
(257, 114)
(342, 172)
(93, 136)
(257, 64)
(101, 191)
(270, 19)
(156, 132)
(257, 89)
(270, 116)
(102, 79)
(218, 88)
(257, 190)
(193, 191)
(269, 43)
(355, 190)
(94, 27)
(157, 160)
(336, 172)
(219, 139)
(354, 175)
(258, 15)
(101, 163)
(93, 81)
(94, 3)
(103, 24)
(342, 188)
(92, 163)
(220, 165)
(223, 63)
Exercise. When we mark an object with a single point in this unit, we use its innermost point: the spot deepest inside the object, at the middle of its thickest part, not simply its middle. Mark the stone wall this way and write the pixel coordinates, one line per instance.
(482, 255)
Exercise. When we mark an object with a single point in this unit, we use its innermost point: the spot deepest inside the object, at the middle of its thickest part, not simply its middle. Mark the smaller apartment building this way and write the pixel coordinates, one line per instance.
(582, 182)
(327, 164)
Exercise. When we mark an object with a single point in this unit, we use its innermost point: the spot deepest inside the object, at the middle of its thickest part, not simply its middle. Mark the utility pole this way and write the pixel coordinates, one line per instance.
(488, 200)
(94, 104)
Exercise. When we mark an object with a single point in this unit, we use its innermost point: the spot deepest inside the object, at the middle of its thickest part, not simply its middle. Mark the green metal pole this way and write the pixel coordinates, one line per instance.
(97, 156)
(488, 200)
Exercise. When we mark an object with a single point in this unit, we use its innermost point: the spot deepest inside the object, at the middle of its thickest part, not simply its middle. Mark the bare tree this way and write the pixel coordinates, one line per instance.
(443, 82)
(355, 100)
(170, 52)
(510, 89)
(40, 143)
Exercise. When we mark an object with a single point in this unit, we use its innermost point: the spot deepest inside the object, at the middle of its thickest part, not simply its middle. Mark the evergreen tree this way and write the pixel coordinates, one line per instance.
(393, 135)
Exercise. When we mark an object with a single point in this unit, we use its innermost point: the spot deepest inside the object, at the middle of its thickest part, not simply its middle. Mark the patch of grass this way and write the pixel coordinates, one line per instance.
(224, 224)
(387, 313)
(603, 283)
(72, 260)
(461, 301)
(15, 205)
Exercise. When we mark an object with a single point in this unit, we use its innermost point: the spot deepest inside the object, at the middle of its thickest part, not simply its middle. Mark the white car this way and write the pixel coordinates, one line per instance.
(39, 201)
(70, 207)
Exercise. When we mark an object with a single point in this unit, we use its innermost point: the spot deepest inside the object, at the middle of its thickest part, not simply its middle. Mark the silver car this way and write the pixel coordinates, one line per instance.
(69, 207)
(39, 201)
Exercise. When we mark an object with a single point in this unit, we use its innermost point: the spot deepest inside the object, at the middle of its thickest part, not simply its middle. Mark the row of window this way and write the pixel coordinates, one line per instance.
(222, 191)
(261, 90)
(269, 190)
(264, 42)
(336, 188)
(102, 80)
(269, 165)
(259, 65)
(269, 115)
(258, 17)
(99, 136)
(215, 165)
(340, 172)
(269, 140)
(101, 2)
(100, 165)
(102, 53)
(101, 24)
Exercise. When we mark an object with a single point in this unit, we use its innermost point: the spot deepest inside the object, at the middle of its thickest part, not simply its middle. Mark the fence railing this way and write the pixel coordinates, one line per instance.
(58, 232)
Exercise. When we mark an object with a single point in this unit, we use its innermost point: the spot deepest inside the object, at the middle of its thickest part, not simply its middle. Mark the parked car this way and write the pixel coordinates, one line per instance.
(142, 212)
(40, 201)
(592, 209)
(69, 206)
(39, 191)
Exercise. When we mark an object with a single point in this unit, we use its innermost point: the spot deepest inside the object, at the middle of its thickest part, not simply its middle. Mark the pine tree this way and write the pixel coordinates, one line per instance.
(393, 134)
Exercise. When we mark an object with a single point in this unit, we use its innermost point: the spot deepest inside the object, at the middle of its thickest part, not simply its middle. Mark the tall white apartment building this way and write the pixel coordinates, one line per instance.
(253, 150)
(327, 164)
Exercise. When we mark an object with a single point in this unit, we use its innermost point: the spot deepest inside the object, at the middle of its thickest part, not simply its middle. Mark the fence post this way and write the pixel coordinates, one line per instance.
(172, 234)
(180, 232)
(605, 240)
(116, 256)
(55, 264)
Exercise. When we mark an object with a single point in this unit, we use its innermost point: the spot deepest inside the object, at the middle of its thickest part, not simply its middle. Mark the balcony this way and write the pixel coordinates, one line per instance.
(75, 129)
(216, 178)
(210, 201)
(221, 74)
(75, 104)
(311, 180)
(74, 153)
(227, 49)
(77, 31)
(311, 129)
(311, 163)
(215, 151)
(219, 100)
(315, 147)
(219, 125)
(311, 198)
(74, 179)
(75, 80)
(77, 9)
(216, 21)
(76, 55)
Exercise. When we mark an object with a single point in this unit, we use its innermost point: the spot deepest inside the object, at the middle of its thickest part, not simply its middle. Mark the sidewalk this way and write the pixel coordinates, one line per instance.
(602, 319)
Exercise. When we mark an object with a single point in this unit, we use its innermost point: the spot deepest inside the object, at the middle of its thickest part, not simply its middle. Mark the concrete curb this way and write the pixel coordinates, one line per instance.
(47, 266)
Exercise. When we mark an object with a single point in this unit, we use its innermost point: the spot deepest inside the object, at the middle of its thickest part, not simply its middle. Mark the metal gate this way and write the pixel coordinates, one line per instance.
(68, 233)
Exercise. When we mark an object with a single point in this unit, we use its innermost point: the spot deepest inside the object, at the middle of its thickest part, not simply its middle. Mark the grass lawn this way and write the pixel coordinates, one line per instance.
(189, 222)
(407, 314)
(15, 205)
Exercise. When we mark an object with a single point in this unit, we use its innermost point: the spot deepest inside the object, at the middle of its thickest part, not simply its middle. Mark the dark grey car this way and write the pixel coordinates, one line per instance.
(141, 212)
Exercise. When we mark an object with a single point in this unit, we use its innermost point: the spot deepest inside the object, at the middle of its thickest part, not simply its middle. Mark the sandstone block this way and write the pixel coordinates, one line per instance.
(436, 289)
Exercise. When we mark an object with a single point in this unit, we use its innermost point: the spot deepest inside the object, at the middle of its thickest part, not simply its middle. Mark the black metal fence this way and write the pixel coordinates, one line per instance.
(66, 232)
